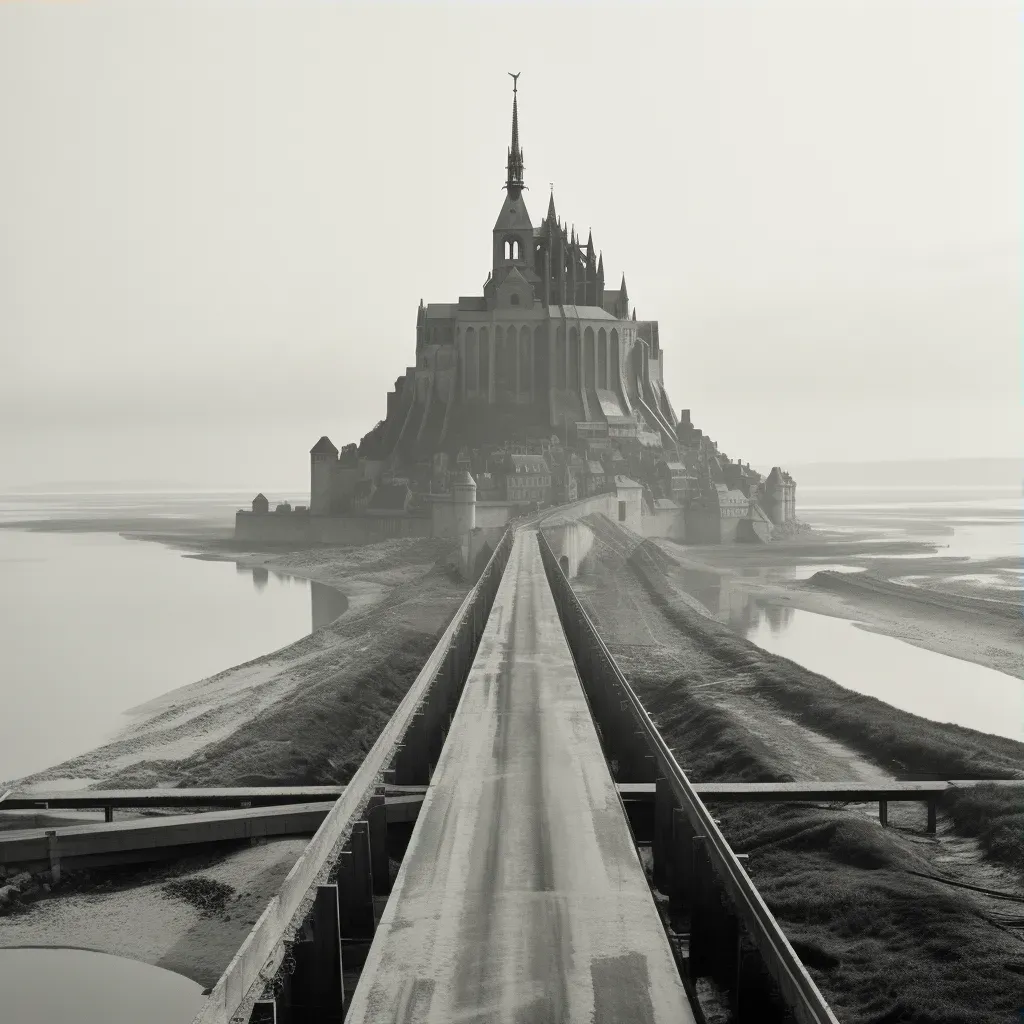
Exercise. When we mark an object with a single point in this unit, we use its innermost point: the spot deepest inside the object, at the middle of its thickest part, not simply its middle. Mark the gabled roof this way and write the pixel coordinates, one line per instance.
(580, 312)
(323, 447)
(595, 468)
(528, 464)
(441, 310)
(625, 481)
(513, 216)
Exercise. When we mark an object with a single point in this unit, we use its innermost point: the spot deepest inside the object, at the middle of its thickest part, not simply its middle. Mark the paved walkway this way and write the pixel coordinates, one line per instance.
(521, 897)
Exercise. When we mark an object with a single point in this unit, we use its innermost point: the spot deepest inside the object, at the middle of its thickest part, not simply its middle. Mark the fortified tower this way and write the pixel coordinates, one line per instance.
(464, 500)
(323, 462)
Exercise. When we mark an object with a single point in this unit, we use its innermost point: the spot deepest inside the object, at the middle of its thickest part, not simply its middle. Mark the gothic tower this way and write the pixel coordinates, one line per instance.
(513, 230)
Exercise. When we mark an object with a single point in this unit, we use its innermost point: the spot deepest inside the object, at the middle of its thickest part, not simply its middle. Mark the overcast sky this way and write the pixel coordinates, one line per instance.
(217, 218)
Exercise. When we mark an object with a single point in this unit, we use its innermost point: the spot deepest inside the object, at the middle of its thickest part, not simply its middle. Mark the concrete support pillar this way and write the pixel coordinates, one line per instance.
(264, 1011)
(714, 928)
(681, 876)
(317, 989)
(377, 819)
(932, 814)
(661, 846)
(108, 813)
(883, 812)
(54, 851)
(355, 888)
(755, 998)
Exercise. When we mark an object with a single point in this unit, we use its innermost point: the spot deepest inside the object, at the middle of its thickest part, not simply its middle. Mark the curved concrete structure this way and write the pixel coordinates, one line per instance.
(521, 896)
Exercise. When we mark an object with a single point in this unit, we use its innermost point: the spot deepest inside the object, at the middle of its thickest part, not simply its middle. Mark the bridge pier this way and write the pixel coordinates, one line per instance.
(317, 987)
(377, 821)
(661, 844)
(755, 999)
(264, 1011)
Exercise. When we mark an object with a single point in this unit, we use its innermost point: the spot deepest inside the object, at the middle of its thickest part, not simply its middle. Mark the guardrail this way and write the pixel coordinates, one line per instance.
(402, 739)
(610, 692)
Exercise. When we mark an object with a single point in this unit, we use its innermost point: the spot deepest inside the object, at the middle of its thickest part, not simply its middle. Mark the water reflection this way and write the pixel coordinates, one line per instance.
(41, 986)
(732, 604)
(923, 682)
(328, 604)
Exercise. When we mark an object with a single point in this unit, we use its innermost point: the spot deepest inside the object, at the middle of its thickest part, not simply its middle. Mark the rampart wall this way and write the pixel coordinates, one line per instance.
(302, 528)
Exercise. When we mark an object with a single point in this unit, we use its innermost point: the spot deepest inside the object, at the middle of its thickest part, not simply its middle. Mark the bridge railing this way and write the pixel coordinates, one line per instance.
(633, 740)
(404, 747)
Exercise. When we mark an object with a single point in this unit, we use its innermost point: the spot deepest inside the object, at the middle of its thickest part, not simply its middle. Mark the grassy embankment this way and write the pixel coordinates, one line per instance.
(351, 678)
(897, 740)
(884, 944)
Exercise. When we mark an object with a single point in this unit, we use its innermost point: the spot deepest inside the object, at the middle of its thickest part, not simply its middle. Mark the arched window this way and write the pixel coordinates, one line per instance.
(602, 358)
(574, 358)
(588, 358)
(525, 362)
(613, 361)
(472, 361)
(513, 299)
(560, 357)
(540, 362)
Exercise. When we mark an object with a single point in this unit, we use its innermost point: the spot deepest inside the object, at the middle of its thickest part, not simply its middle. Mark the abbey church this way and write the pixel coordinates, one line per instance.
(547, 345)
(544, 390)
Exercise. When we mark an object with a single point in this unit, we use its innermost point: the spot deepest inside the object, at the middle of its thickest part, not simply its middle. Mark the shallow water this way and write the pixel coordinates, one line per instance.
(92, 625)
(932, 685)
(46, 986)
(971, 528)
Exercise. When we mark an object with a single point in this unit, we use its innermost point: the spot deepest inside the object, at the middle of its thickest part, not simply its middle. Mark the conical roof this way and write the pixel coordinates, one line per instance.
(323, 447)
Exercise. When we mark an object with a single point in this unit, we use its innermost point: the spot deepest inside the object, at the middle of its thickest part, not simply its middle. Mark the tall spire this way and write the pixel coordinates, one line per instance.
(514, 181)
(551, 206)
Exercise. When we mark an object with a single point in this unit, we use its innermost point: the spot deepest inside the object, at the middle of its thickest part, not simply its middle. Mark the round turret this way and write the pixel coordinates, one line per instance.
(464, 499)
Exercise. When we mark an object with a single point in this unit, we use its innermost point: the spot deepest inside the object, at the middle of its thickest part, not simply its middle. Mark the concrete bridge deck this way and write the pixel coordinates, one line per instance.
(521, 896)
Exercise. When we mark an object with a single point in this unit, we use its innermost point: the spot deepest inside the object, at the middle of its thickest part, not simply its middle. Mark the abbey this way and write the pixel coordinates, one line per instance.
(546, 347)
(544, 389)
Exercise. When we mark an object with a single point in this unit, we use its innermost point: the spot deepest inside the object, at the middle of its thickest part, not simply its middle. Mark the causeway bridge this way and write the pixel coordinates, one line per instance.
(521, 894)
(520, 845)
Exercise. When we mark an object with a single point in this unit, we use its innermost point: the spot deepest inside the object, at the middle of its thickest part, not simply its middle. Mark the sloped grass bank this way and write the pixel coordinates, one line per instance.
(883, 944)
(895, 739)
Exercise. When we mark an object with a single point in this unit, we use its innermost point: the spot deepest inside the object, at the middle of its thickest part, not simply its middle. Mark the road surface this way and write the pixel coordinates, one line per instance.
(521, 897)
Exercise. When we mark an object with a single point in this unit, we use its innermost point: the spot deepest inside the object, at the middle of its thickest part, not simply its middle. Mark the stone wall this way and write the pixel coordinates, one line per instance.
(669, 523)
(300, 528)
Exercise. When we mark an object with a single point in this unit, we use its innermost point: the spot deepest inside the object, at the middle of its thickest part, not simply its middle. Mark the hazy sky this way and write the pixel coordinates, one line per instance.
(217, 218)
